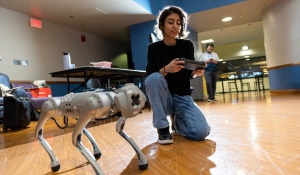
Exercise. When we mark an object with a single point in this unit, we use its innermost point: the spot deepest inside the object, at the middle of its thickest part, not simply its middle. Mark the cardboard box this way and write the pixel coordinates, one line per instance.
(41, 92)
(104, 64)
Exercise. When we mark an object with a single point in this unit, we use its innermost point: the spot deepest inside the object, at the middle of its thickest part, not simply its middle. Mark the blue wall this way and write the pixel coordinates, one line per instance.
(193, 36)
(190, 6)
(193, 6)
(284, 82)
(139, 35)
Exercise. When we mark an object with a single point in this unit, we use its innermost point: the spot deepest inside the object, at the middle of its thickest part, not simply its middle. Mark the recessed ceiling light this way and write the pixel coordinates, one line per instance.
(246, 56)
(245, 47)
(226, 19)
(207, 41)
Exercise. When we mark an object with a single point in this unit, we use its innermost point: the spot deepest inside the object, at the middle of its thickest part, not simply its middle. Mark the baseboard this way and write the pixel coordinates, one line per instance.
(288, 91)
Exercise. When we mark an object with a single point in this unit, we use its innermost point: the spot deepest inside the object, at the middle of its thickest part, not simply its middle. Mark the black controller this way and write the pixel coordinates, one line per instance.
(192, 64)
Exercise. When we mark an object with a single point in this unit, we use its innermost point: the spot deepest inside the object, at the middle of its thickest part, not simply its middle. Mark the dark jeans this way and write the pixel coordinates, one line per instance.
(211, 83)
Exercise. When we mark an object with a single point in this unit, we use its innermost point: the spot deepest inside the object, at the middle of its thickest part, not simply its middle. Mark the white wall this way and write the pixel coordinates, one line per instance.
(43, 48)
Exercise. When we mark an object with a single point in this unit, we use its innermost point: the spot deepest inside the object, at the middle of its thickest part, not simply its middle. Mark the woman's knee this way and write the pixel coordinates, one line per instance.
(197, 134)
(154, 77)
(155, 81)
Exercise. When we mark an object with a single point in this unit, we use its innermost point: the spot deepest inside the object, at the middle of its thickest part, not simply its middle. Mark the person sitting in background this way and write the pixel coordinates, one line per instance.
(211, 70)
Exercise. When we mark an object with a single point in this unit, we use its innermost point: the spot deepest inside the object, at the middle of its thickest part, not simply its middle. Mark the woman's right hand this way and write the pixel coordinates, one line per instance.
(174, 66)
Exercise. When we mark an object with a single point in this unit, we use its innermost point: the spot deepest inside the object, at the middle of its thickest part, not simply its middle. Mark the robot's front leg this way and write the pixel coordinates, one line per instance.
(142, 161)
(87, 154)
(49, 108)
(76, 138)
(97, 152)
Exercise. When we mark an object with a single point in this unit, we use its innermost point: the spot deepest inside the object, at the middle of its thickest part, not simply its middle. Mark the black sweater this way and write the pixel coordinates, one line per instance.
(159, 55)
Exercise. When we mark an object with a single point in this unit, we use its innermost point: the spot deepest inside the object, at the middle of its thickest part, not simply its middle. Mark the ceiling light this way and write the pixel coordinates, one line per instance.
(207, 41)
(226, 19)
(246, 56)
(245, 47)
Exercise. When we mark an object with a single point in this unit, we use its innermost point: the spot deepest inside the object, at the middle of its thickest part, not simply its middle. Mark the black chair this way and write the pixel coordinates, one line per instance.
(244, 84)
(93, 84)
(232, 85)
(259, 83)
(18, 92)
(5, 81)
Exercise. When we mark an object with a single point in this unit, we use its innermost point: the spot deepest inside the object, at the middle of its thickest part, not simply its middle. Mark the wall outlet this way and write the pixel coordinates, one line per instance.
(20, 62)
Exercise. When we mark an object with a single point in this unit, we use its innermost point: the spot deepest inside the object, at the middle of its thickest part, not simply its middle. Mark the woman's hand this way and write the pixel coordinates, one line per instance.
(197, 72)
(174, 66)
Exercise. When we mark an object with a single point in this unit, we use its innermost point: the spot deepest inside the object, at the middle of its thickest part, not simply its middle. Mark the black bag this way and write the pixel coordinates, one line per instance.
(1, 112)
(16, 113)
(34, 113)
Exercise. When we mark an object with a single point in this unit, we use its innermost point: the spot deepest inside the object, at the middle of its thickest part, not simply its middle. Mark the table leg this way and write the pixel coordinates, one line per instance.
(68, 82)
(222, 86)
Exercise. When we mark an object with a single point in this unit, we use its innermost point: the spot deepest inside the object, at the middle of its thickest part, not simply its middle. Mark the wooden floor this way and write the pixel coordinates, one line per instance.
(250, 135)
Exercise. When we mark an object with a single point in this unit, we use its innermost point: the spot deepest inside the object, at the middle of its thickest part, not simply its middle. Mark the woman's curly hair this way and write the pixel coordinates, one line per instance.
(164, 13)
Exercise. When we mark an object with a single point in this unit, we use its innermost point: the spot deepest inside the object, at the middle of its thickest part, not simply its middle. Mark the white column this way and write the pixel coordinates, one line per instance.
(281, 26)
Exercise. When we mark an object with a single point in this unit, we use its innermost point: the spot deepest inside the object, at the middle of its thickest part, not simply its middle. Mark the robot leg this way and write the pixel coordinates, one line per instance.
(87, 154)
(97, 152)
(49, 109)
(76, 139)
(142, 160)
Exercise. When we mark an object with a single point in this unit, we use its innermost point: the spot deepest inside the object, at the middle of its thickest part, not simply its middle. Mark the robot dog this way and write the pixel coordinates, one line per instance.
(85, 106)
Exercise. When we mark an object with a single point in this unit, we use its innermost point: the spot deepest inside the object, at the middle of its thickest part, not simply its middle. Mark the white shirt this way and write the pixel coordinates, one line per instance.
(205, 56)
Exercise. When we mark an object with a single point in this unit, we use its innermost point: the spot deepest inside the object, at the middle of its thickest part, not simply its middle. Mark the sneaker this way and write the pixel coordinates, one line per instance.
(215, 99)
(164, 136)
(210, 100)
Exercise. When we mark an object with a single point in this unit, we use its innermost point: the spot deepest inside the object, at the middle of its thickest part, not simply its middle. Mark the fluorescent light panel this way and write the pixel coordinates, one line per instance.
(207, 41)
(226, 19)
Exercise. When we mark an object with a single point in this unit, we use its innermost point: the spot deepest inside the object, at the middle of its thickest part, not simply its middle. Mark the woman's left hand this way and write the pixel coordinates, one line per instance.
(197, 72)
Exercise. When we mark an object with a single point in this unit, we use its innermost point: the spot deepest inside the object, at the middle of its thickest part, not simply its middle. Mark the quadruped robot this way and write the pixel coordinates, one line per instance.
(85, 106)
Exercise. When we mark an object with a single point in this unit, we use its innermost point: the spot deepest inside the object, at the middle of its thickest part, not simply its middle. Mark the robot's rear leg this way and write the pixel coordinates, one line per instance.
(142, 161)
(97, 152)
(55, 165)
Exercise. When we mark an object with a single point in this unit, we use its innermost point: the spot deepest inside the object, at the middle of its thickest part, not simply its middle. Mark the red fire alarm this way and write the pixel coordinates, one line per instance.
(82, 38)
(35, 23)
